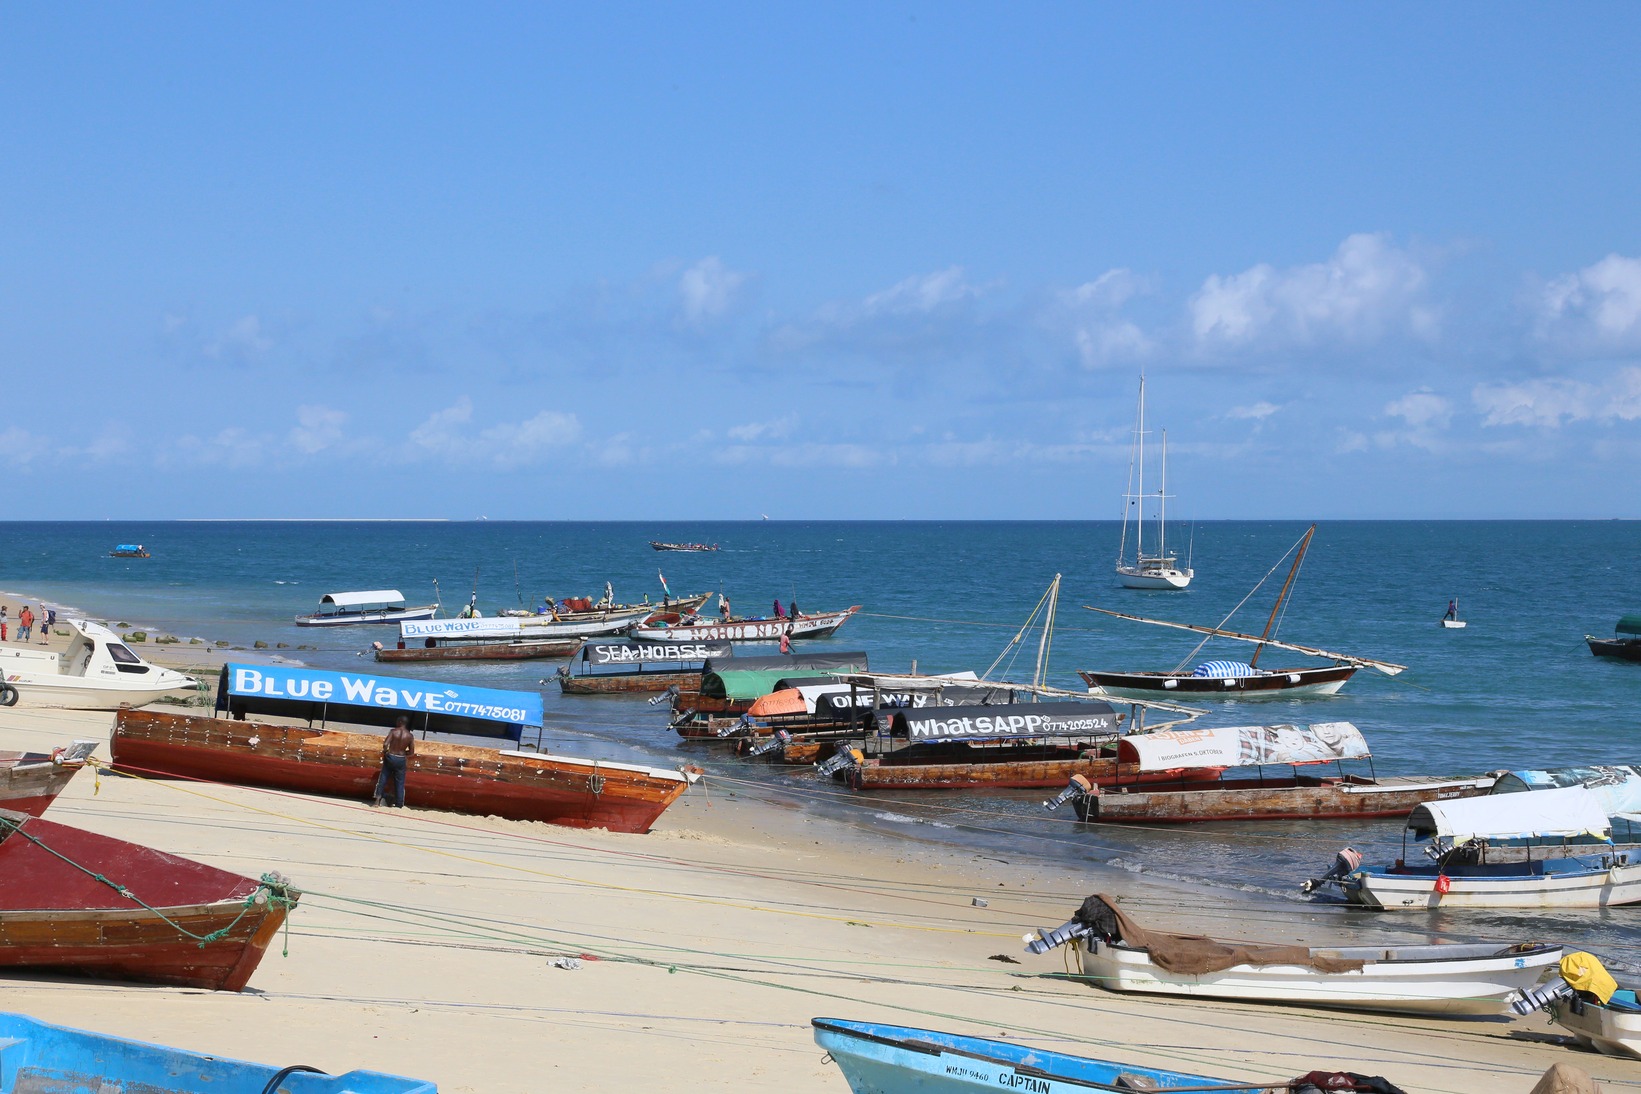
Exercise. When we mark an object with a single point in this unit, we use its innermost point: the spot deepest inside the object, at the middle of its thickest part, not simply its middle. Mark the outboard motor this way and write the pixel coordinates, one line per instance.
(1078, 787)
(1069, 931)
(775, 740)
(841, 760)
(665, 697)
(1543, 997)
(742, 728)
(1345, 863)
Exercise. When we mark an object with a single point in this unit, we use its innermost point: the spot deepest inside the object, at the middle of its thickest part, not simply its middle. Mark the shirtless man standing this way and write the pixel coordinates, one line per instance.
(397, 748)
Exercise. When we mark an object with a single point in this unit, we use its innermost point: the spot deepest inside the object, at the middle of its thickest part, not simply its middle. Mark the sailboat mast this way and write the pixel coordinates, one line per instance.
(1048, 633)
(1162, 503)
(1286, 585)
(1139, 447)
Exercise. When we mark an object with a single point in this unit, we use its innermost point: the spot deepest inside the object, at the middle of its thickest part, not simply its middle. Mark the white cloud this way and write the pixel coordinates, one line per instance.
(1422, 409)
(1257, 412)
(1108, 292)
(1551, 402)
(1367, 290)
(1596, 309)
(708, 289)
(757, 431)
(318, 428)
(242, 341)
(445, 435)
(922, 294)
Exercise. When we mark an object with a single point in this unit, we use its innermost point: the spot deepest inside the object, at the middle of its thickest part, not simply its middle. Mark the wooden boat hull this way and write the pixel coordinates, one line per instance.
(1278, 683)
(1619, 649)
(617, 683)
(819, 625)
(559, 790)
(29, 782)
(1031, 768)
(1272, 799)
(883, 1059)
(484, 651)
(41, 1057)
(1604, 1029)
(1442, 979)
(57, 915)
(351, 618)
(1415, 888)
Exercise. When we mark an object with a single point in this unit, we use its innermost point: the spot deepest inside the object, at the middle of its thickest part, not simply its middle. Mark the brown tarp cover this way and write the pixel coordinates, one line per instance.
(1565, 1079)
(1193, 954)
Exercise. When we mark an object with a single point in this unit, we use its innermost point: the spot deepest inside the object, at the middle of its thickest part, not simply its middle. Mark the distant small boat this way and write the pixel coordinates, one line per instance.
(129, 550)
(42, 1056)
(884, 1059)
(1451, 620)
(372, 606)
(1625, 645)
(1159, 569)
(661, 546)
(75, 901)
(1453, 978)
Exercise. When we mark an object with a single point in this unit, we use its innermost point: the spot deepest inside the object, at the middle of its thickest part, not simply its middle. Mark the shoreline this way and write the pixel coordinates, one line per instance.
(425, 945)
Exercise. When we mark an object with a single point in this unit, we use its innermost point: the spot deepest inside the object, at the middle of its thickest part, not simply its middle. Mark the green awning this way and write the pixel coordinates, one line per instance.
(1629, 624)
(743, 683)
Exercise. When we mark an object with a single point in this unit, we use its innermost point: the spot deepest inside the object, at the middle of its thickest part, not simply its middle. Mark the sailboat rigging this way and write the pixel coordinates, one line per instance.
(1235, 678)
(1157, 569)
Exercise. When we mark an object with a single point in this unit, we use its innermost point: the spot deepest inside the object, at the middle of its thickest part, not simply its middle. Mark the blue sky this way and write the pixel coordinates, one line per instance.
(659, 261)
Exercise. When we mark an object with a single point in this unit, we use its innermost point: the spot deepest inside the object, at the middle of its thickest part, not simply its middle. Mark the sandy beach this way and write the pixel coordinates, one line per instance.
(500, 956)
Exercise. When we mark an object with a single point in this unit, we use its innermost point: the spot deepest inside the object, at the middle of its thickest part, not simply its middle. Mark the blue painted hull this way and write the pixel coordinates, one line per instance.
(37, 1055)
(881, 1059)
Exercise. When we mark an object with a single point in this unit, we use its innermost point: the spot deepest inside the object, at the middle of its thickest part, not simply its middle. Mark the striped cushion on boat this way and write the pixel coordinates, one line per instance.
(1221, 669)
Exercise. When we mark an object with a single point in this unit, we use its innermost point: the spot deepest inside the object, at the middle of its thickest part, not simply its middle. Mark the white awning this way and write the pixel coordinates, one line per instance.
(1244, 746)
(360, 600)
(1561, 813)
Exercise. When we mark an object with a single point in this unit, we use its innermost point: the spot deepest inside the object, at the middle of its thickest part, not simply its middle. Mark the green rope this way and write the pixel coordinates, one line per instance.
(277, 888)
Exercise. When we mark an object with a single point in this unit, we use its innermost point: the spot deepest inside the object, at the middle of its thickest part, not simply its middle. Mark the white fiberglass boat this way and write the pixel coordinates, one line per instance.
(1156, 569)
(97, 671)
(1446, 978)
(370, 606)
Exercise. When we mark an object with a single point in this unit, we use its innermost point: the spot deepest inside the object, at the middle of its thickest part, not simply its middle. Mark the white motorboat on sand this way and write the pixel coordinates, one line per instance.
(97, 671)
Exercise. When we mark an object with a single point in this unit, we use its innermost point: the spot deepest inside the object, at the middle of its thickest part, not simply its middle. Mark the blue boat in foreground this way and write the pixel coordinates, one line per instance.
(879, 1059)
(39, 1056)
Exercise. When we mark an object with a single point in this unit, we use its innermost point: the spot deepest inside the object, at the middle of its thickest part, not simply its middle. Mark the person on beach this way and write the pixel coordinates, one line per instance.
(46, 624)
(25, 624)
(786, 642)
(2, 622)
(397, 748)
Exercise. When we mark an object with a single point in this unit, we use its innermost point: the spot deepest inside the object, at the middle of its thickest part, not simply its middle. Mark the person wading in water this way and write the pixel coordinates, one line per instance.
(397, 748)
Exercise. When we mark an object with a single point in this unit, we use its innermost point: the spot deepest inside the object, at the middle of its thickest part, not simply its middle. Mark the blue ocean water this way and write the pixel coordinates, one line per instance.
(1516, 688)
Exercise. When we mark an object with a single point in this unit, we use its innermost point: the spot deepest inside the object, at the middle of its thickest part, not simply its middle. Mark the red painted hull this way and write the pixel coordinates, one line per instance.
(442, 775)
(56, 916)
(29, 782)
(484, 651)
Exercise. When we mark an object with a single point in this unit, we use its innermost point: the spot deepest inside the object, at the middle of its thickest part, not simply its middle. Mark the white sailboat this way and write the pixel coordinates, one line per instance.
(1158, 569)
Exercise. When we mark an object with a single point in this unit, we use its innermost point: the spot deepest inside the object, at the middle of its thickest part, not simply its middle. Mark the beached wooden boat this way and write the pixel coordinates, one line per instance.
(30, 781)
(1221, 679)
(730, 686)
(884, 1059)
(1541, 849)
(366, 606)
(748, 629)
(1624, 645)
(1244, 791)
(1449, 978)
(78, 902)
(479, 649)
(44, 1058)
(534, 786)
(97, 671)
(604, 666)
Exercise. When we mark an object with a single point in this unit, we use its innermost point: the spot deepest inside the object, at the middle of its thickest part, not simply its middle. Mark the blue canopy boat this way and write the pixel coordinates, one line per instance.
(880, 1059)
(39, 1056)
(129, 550)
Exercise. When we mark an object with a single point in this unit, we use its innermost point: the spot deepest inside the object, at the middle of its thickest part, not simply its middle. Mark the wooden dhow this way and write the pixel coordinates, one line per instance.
(533, 786)
(747, 629)
(78, 902)
(615, 665)
(1244, 791)
(1222, 679)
